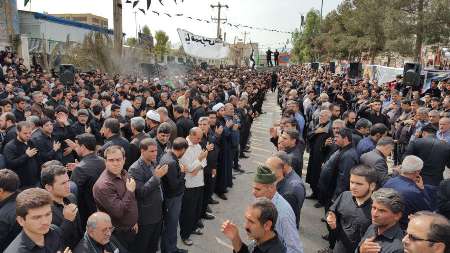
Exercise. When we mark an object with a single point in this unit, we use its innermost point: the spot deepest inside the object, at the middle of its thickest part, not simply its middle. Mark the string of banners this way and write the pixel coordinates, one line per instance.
(236, 26)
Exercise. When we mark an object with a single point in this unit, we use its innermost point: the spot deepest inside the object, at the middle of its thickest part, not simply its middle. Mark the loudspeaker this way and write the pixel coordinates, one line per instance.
(315, 65)
(411, 74)
(332, 67)
(67, 74)
(355, 70)
(204, 65)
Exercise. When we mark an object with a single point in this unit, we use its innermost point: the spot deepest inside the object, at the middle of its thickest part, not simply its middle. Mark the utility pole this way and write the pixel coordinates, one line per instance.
(218, 19)
(321, 9)
(135, 23)
(117, 19)
(245, 35)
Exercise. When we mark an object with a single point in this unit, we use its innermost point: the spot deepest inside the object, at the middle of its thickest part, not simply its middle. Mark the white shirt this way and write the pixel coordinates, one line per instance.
(123, 107)
(190, 160)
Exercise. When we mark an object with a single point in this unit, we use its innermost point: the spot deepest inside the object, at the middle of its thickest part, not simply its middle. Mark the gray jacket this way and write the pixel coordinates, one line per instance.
(148, 192)
(376, 160)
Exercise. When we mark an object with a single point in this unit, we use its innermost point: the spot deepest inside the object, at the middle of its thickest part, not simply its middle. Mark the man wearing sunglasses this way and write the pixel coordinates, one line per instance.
(427, 232)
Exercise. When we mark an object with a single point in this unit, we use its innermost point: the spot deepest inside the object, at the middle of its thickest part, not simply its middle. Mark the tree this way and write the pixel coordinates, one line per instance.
(132, 42)
(162, 43)
(146, 30)
(304, 49)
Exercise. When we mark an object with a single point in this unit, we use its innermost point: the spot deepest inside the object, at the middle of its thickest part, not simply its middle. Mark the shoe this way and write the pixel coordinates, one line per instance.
(200, 224)
(222, 196)
(312, 196)
(208, 216)
(187, 242)
(318, 205)
(325, 250)
(181, 251)
(208, 210)
(213, 202)
(239, 170)
(242, 155)
(198, 231)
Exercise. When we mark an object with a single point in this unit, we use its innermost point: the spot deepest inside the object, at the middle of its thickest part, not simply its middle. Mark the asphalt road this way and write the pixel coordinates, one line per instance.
(212, 241)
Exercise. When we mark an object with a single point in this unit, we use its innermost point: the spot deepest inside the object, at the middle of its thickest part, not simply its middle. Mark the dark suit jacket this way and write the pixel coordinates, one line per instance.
(84, 176)
(435, 156)
(71, 230)
(9, 228)
(135, 151)
(375, 159)
(148, 192)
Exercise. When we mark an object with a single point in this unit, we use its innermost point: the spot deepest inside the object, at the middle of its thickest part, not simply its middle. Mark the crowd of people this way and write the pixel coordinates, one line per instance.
(377, 155)
(116, 162)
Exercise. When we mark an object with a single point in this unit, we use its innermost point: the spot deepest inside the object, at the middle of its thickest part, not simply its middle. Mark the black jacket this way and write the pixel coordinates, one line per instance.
(27, 168)
(197, 113)
(84, 176)
(20, 116)
(9, 228)
(71, 231)
(173, 181)
(148, 192)
(443, 198)
(89, 245)
(135, 151)
(183, 126)
(435, 156)
(44, 144)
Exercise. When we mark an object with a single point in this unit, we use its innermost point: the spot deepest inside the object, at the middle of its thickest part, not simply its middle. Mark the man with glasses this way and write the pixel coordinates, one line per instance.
(427, 232)
(98, 236)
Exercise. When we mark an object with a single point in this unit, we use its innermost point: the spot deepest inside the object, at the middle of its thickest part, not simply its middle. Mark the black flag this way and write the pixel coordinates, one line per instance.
(128, 2)
(142, 10)
(179, 14)
(135, 3)
(168, 15)
(160, 1)
(149, 2)
(157, 13)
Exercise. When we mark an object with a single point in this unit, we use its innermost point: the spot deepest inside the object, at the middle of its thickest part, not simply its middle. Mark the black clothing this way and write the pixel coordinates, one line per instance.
(62, 133)
(352, 221)
(23, 244)
(184, 125)
(9, 228)
(84, 176)
(390, 241)
(196, 114)
(296, 155)
(443, 198)
(20, 115)
(374, 117)
(135, 151)
(191, 210)
(161, 150)
(173, 181)
(71, 231)
(435, 156)
(44, 144)
(89, 245)
(273, 245)
(27, 168)
(147, 239)
(148, 192)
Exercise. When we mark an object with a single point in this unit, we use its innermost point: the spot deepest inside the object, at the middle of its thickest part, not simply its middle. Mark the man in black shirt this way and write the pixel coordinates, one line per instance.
(85, 174)
(173, 189)
(9, 186)
(34, 215)
(55, 180)
(385, 234)
(21, 157)
(111, 131)
(349, 216)
(260, 217)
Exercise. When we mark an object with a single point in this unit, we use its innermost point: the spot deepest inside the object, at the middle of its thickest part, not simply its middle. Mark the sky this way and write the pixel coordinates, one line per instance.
(273, 14)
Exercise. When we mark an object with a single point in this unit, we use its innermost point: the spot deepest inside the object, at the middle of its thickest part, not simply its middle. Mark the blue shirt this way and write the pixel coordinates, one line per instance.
(414, 198)
(443, 136)
(285, 226)
(300, 122)
(365, 145)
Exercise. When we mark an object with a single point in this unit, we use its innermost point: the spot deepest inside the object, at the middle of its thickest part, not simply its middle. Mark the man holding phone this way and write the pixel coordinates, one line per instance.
(415, 194)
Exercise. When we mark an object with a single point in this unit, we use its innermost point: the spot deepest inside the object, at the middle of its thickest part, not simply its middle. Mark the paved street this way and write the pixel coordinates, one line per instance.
(240, 195)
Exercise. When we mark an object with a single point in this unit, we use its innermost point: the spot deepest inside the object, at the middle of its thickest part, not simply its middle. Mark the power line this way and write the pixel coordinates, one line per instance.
(218, 19)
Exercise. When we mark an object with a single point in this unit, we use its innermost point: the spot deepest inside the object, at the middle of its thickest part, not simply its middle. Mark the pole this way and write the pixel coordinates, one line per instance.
(135, 23)
(117, 18)
(219, 19)
(321, 9)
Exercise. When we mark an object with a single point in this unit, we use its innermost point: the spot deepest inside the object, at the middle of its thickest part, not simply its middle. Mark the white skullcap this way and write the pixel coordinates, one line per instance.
(218, 106)
(153, 115)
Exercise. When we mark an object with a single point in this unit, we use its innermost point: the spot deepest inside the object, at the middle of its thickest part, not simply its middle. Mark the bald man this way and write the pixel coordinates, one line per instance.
(98, 236)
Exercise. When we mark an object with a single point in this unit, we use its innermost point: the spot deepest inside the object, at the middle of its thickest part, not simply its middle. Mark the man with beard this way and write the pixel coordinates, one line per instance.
(8, 128)
(317, 139)
(373, 113)
(111, 131)
(294, 146)
(197, 110)
(183, 124)
(349, 216)
(152, 120)
(427, 233)
(361, 130)
(261, 218)
(82, 124)
(224, 170)
(384, 234)
(20, 156)
(162, 139)
(349, 118)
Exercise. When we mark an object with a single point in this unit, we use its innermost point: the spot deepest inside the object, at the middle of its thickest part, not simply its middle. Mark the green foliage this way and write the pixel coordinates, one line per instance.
(146, 30)
(162, 43)
(132, 42)
(368, 28)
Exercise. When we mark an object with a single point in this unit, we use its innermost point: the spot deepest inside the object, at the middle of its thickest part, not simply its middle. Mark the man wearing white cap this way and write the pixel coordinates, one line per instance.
(415, 194)
(152, 119)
